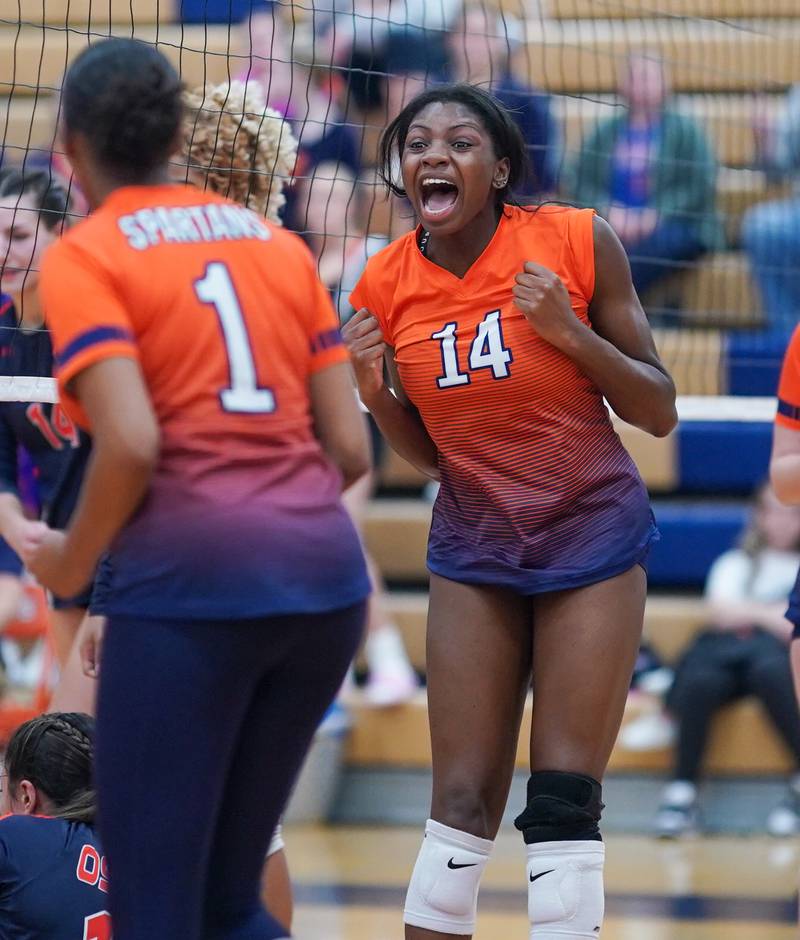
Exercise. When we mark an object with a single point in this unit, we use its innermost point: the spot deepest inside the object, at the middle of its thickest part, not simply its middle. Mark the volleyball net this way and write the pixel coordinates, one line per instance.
(677, 119)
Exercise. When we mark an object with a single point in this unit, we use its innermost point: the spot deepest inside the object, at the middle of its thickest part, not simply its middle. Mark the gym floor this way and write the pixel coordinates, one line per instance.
(350, 884)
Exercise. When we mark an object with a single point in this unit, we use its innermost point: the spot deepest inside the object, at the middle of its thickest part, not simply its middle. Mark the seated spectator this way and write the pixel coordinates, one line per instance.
(53, 876)
(745, 651)
(651, 172)
(336, 209)
(771, 230)
(480, 47)
(412, 63)
(296, 66)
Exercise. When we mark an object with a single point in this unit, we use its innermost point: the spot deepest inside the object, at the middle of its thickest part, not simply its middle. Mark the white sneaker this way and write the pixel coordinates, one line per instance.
(652, 731)
(387, 687)
(392, 679)
(677, 815)
(784, 819)
(657, 682)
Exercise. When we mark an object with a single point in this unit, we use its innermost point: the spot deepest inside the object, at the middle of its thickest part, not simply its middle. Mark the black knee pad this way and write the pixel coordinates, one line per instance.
(561, 807)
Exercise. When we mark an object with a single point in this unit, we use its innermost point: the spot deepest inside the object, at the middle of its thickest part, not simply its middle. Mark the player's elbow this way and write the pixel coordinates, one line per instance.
(664, 422)
(784, 482)
(137, 448)
(353, 463)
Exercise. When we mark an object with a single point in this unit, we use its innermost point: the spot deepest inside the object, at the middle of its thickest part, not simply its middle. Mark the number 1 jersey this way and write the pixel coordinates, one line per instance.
(538, 493)
(228, 321)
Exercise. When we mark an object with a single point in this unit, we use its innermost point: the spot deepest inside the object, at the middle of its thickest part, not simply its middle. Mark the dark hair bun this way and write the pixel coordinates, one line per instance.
(125, 98)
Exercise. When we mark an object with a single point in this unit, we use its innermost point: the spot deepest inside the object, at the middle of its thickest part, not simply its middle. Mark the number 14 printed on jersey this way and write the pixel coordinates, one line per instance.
(487, 352)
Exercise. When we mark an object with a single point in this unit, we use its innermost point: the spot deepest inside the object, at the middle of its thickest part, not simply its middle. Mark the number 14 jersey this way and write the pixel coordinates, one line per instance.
(538, 493)
(228, 321)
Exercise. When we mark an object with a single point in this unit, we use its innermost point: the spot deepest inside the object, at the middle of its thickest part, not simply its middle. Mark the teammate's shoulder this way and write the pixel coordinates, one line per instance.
(14, 827)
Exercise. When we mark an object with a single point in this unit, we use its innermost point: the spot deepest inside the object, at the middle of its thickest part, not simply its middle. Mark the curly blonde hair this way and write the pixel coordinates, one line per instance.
(243, 149)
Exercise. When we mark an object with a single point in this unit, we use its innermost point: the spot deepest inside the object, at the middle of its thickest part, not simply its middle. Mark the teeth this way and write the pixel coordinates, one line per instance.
(431, 182)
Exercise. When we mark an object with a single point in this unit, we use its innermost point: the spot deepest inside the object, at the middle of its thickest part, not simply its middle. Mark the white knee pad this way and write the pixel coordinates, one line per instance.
(565, 890)
(443, 891)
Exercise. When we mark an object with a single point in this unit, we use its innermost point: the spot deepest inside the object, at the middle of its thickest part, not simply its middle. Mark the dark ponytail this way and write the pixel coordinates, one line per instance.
(125, 98)
(56, 753)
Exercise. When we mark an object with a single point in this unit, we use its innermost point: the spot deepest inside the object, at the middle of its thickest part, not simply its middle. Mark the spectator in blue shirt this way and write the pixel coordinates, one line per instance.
(480, 47)
(771, 230)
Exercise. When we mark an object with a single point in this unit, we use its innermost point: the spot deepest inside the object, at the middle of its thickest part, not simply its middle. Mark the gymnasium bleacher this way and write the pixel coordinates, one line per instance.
(731, 61)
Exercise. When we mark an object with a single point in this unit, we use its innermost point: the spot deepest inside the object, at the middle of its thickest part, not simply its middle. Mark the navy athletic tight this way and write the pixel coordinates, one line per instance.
(201, 730)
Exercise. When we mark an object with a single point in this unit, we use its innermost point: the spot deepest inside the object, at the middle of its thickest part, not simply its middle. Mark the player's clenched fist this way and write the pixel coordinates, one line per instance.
(541, 296)
(364, 341)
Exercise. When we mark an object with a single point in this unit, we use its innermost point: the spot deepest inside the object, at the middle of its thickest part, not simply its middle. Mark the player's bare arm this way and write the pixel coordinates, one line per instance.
(784, 466)
(338, 423)
(123, 457)
(618, 354)
(395, 415)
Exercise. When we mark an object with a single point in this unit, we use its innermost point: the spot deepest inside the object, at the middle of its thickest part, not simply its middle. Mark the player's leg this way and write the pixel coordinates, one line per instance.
(794, 655)
(276, 884)
(478, 659)
(173, 696)
(769, 677)
(285, 712)
(706, 678)
(585, 643)
(12, 591)
(65, 623)
(75, 692)
(391, 678)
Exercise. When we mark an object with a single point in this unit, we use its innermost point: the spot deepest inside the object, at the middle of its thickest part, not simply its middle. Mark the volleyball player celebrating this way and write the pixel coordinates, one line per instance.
(197, 342)
(504, 328)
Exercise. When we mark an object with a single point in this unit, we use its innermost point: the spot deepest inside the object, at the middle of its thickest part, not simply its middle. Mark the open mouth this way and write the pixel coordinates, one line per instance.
(439, 196)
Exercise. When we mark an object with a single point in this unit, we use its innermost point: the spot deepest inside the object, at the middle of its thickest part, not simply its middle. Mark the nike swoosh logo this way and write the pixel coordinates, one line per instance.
(541, 875)
(454, 866)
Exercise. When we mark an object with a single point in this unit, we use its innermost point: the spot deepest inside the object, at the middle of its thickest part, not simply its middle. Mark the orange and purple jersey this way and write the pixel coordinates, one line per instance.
(537, 492)
(228, 321)
(788, 414)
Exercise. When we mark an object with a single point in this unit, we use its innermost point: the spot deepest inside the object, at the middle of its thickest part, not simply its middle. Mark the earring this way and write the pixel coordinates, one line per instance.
(499, 184)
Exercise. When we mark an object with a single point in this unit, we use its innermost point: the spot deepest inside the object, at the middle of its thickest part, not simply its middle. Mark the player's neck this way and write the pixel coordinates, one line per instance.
(457, 253)
(103, 184)
(28, 308)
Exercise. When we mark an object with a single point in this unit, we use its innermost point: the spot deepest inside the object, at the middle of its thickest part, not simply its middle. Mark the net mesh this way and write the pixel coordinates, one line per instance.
(702, 197)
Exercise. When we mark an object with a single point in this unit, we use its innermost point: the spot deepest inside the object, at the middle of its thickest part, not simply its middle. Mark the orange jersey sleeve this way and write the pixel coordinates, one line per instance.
(86, 318)
(788, 414)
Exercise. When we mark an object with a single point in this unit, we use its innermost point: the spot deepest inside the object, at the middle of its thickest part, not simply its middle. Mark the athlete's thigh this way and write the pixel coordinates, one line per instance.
(585, 643)
(795, 654)
(65, 623)
(75, 692)
(171, 702)
(478, 667)
(283, 714)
